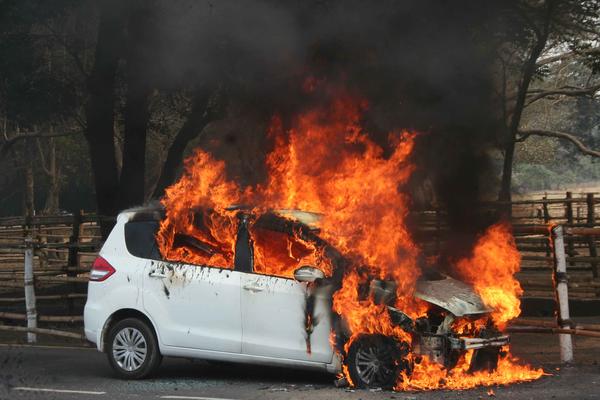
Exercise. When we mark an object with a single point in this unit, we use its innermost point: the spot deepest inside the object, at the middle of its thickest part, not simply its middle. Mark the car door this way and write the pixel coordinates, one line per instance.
(275, 322)
(194, 306)
(279, 320)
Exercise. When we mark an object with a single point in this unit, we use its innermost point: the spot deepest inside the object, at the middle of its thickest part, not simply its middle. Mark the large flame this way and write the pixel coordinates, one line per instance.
(428, 375)
(324, 162)
(203, 186)
(492, 268)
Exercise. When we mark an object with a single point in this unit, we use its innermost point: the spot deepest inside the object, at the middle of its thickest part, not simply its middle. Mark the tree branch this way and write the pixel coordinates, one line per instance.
(560, 135)
(76, 59)
(567, 55)
(8, 143)
(564, 91)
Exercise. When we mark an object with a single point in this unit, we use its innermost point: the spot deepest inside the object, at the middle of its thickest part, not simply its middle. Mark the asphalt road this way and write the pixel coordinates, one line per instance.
(83, 373)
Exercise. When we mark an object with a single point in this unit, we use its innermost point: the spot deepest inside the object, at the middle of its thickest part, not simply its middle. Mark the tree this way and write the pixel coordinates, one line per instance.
(548, 31)
(33, 94)
(99, 110)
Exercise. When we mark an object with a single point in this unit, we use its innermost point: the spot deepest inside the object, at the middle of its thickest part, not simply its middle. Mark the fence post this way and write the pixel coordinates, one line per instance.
(73, 258)
(591, 221)
(562, 294)
(546, 220)
(30, 290)
(569, 215)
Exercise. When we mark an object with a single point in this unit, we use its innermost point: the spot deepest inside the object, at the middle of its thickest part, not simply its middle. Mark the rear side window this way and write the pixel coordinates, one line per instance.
(140, 239)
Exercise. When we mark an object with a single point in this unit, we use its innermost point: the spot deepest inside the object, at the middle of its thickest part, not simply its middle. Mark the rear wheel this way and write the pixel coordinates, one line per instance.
(132, 349)
(376, 361)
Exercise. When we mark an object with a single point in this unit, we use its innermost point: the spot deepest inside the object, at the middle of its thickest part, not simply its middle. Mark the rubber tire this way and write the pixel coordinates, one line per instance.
(153, 357)
(398, 352)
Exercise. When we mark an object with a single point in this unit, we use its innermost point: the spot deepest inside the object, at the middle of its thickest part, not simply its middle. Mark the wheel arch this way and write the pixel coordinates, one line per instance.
(120, 315)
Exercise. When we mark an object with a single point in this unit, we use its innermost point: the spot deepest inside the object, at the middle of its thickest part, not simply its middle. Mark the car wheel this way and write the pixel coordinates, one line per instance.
(376, 361)
(132, 349)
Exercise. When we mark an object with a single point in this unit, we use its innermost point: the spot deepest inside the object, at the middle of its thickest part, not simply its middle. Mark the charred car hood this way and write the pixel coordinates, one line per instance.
(452, 295)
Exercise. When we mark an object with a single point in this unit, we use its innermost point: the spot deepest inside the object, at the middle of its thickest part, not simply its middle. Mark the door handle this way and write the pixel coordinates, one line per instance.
(253, 288)
(156, 274)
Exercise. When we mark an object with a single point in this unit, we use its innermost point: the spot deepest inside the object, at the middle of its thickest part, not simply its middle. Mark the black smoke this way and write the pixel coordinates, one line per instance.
(422, 65)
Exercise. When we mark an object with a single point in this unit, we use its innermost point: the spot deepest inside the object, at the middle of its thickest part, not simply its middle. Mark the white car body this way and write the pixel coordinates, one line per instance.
(209, 312)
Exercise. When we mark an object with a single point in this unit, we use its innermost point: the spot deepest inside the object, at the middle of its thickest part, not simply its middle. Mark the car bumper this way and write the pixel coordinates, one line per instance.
(438, 347)
(92, 323)
(466, 343)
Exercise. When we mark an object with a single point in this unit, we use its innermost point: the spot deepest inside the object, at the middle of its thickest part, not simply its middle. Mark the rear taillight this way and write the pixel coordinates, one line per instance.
(101, 270)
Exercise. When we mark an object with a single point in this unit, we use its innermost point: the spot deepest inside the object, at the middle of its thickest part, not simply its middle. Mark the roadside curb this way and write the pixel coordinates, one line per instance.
(45, 346)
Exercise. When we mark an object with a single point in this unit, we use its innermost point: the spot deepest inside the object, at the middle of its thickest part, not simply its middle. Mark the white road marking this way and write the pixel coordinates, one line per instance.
(29, 389)
(192, 398)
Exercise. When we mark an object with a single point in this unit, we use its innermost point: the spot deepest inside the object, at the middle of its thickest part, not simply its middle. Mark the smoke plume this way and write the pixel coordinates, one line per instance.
(421, 65)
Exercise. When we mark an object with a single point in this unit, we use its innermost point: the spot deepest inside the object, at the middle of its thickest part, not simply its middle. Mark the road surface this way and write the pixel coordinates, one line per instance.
(83, 373)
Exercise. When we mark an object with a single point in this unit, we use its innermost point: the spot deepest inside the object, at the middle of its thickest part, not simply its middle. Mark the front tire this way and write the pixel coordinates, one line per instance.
(132, 349)
(375, 361)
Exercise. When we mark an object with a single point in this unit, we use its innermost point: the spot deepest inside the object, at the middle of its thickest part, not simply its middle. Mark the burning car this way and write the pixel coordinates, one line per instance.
(343, 288)
(142, 306)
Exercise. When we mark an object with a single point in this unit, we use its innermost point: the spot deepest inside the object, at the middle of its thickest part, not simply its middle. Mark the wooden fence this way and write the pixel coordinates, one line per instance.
(531, 219)
(64, 247)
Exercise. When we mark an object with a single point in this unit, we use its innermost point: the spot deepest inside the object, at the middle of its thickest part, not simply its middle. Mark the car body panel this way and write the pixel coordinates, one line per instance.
(452, 295)
(194, 306)
(172, 351)
(274, 319)
(121, 291)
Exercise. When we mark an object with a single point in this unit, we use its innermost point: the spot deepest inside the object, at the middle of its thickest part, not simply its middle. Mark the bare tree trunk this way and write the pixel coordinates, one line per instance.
(53, 172)
(100, 109)
(527, 74)
(131, 184)
(137, 114)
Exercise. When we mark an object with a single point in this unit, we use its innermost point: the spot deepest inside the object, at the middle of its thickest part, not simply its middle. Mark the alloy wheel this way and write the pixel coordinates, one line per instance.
(129, 349)
(374, 365)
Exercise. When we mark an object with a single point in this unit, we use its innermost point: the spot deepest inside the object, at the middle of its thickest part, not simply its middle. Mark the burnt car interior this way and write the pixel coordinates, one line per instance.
(270, 233)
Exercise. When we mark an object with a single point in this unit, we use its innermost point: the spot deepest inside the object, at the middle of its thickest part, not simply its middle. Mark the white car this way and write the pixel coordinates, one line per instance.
(141, 308)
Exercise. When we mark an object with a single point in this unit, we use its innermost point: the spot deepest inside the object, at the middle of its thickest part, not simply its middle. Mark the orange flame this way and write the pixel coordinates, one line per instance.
(326, 163)
(204, 185)
(430, 375)
(491, 269)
